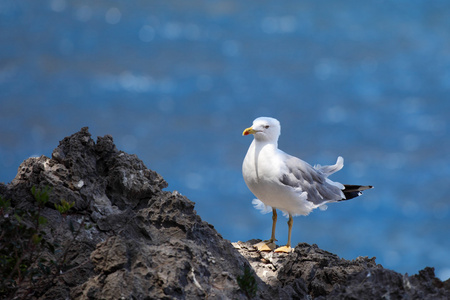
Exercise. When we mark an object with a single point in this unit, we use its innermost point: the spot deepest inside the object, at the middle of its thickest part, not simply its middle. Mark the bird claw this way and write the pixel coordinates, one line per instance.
(265, 246)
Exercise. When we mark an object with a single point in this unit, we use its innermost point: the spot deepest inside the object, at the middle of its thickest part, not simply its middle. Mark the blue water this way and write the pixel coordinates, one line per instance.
(176, 82)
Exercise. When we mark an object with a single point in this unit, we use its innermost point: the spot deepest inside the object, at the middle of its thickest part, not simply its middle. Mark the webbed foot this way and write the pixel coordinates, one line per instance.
(267, 245)
(284, 249)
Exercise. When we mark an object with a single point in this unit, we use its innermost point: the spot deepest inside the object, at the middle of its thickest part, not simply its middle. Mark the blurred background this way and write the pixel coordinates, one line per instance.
(176, 82)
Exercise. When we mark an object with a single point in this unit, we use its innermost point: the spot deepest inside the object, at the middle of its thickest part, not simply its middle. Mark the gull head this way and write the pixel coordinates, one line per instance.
(264, 129)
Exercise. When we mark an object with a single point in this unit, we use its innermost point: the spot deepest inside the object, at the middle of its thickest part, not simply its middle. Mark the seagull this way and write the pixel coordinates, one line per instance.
(284, 182)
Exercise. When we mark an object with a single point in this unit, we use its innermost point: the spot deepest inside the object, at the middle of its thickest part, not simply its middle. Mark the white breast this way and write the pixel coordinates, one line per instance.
(261, 170)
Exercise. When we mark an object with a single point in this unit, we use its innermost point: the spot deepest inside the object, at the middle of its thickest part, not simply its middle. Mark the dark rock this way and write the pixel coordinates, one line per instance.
(133, 239)
(310, 272)
(126, 238)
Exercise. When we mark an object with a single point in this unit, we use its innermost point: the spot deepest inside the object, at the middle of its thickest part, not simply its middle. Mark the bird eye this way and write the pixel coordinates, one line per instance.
(266, 127)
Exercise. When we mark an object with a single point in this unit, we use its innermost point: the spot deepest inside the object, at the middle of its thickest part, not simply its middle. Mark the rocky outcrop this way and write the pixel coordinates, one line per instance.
(127, 238)
(310, 272)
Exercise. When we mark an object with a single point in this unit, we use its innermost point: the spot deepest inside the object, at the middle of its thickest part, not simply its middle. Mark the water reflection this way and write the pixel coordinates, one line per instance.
(113, 16)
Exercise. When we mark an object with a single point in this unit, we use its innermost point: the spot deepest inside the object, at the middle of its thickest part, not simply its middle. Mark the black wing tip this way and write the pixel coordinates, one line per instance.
(352, 188)
(353, 191)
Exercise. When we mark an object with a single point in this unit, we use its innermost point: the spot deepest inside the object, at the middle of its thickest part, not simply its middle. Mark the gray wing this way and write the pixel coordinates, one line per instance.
(302, 175)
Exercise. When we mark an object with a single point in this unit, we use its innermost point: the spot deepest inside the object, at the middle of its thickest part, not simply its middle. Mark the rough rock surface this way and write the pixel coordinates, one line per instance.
(137, 241)
(310, 272)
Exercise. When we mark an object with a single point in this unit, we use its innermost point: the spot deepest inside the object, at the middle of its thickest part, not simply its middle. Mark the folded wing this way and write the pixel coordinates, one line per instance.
(298, 174)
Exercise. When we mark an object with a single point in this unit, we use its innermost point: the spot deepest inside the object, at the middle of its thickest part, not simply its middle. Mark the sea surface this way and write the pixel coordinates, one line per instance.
(176, 82)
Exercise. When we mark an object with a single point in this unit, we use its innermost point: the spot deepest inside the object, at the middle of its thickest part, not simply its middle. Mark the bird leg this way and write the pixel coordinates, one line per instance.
(287, 248)
(274, 224)
(269, 245)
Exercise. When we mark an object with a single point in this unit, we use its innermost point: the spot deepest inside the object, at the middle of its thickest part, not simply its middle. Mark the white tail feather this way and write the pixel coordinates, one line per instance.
(259, 205)
(328, 170)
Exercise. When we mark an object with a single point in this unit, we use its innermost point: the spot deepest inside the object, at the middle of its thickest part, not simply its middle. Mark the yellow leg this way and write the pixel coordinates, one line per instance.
(290, 222)
(274, 224)
(287, 248)
(269, 245)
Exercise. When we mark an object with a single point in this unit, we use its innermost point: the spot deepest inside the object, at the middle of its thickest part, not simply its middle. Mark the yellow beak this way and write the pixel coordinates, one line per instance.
(248, 131)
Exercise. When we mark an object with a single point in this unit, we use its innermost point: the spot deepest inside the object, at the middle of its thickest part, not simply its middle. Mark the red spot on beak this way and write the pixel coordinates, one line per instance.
(248, 131)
